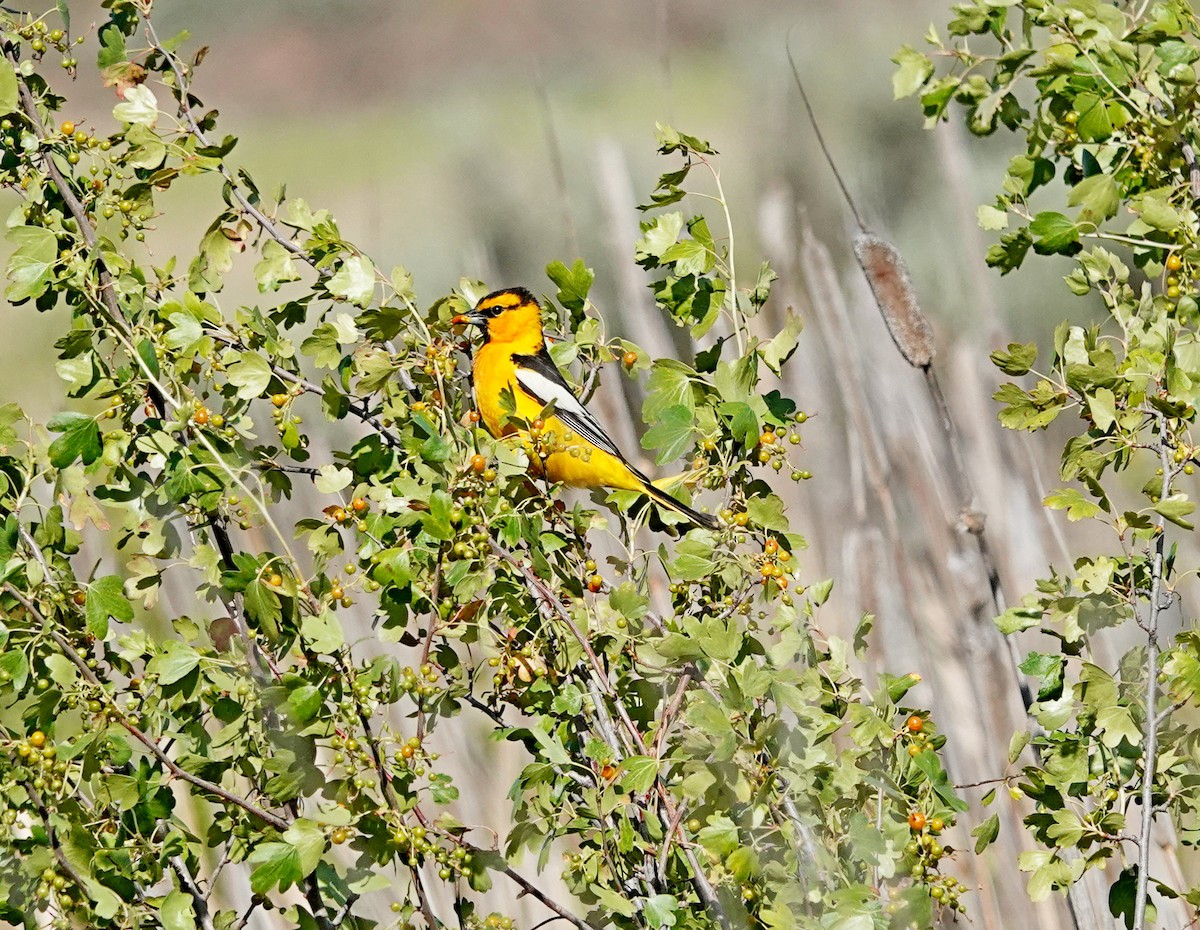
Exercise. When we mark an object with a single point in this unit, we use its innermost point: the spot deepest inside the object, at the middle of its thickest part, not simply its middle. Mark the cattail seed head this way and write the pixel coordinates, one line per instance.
(888, 276)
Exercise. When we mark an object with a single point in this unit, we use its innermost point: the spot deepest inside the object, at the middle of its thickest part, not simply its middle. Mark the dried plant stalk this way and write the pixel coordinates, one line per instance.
(888, 276)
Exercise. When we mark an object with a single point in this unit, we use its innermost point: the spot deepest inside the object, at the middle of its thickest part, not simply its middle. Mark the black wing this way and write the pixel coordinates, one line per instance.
(541, 379)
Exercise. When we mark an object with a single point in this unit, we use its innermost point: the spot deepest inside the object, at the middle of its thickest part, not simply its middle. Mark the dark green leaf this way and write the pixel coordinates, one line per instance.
(80, 439)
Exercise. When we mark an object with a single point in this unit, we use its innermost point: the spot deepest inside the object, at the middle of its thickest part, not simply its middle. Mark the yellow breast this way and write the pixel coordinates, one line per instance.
(580, 464)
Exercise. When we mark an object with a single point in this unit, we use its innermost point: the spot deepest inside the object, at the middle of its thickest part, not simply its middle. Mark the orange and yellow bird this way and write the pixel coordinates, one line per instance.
(513, 358)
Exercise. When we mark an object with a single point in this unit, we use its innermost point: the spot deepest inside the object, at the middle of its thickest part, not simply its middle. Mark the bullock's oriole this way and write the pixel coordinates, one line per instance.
(513, 358)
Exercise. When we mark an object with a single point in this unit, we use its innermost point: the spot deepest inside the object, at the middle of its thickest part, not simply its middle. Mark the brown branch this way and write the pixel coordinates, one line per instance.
(149, 742)
(59, 854)
(532, 890)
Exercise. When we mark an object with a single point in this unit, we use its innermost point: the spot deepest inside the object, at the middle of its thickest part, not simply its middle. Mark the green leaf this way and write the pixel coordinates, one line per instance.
(250, 374)
(638, 773)
(106, 598)
(776, 351)
(308, 839)
(1094, 123)
(80, 439)
(1073, 502)
(991, 218)
(1156, 211)
(9, 97)
(1009, 252)
(331, 479)
(1103, 406)
(276, 865)
(1017, 743)
(573, 283)
(913, 69)
(1016, 619)
(112, 47)
(693, 557)
(176, 912)
(688, 257)
(1122, 897)
(139, 107)
(658, 237)
(354, 281)
(1099, 197)
(175, 662)
(304, 702)
(65, 13)
(1017, 360)
(767, 513)
(1175, 508)
(1054, 234)
(672, 435)
(322, 347)
(30, 267)
(986, 833)
(628, 601)
(819, 591)
(276, 268)
(323, 632)
(1048, 668)
(659, 910)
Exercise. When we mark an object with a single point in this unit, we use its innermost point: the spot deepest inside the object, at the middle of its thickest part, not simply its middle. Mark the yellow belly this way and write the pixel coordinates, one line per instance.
(589, 467)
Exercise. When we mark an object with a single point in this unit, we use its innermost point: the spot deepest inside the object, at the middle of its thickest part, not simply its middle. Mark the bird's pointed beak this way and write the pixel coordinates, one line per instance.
(469, 319)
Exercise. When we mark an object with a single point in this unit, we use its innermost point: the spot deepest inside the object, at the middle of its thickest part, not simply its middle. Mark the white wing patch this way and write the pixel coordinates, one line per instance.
(567, 407)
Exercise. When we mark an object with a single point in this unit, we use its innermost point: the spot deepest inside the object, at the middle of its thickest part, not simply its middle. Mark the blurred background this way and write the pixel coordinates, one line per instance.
(486, 140)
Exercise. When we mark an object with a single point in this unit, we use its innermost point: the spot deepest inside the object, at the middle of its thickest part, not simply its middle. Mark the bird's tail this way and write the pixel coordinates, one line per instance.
(663, 499)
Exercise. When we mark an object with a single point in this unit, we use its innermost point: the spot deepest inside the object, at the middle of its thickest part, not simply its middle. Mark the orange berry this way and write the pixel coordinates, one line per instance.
(478, 463)
(915, 724)
(1174, 262)
(67, 128)
(916, 821)
(200, 417)
(407, 751)
(359, 504)
(339, 515)
(741, 519)
(595, 583)
(37, 739)
(767, 438)
(473, 416)
(538, 424)
(630, 359)
(608, 772)
(771, 546)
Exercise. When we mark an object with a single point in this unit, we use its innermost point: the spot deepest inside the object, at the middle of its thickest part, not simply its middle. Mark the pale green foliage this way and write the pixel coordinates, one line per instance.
(712, 761)
(1103, 98)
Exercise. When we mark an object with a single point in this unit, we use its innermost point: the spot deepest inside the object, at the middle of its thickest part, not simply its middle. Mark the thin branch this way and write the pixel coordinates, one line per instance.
(1150, 737)
(149, 742)
(59, 854)
(530, 889)
(199, 900)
